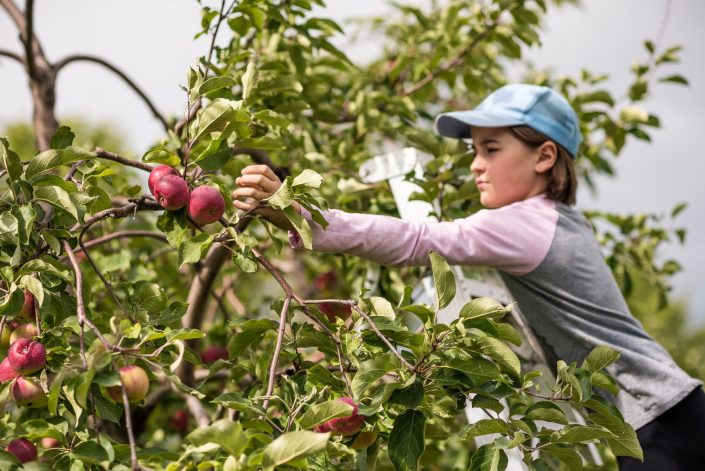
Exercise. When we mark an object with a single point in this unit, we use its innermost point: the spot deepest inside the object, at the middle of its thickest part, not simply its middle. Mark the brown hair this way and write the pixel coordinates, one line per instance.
(562, 179)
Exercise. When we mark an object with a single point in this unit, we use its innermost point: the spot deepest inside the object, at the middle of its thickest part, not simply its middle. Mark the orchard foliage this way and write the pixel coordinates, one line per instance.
(143, 316)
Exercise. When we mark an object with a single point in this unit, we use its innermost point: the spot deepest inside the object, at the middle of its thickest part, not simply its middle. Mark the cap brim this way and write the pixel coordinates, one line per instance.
(457, 124)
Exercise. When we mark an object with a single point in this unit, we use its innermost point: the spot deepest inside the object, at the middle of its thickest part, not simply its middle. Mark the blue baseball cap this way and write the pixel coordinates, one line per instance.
(540, 108)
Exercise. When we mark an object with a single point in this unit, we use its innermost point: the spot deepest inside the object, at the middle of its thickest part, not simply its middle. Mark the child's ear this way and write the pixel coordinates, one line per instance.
(547, 154)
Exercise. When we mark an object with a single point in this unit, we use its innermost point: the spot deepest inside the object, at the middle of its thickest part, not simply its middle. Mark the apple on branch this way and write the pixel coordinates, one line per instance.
(27, 392)
(29, 305)
(136, 384)
(171, 192)
(206, 205)
(26, 356)
(23, 449)
(157, 174)
(23, 331)
(7, 372)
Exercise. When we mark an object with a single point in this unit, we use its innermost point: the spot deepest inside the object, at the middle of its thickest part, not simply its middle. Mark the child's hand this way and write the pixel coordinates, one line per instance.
(257, 183)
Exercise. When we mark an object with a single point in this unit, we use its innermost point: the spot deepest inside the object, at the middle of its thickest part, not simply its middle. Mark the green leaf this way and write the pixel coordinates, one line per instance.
(372, 370)
(488, 458)
(249, 79)
(483, 307)
(319, 413)
(546, 411)
(443, 279)
(146, 296)
(410, 396)
(9, 160)
(301, 226)
(161, 155)
(57, 197)
(246, 262)
(89, 452)
(271, 117)
(624, 441)
(214, 121)
(406, 441)
(62, 138)
(252, 331)
(600, 357)
(500, 352)
(484, 427)
(382, 307)
(43, 162)
(193, 249)
(319, 376)
(580, 433)
(216, 83)
(224, 432)
(308, 178)
(9, 229)
(292, 446)
(49, 266)
(674, 79)
(175, 226)
(567, 455)
(479, 369)
(264, 143)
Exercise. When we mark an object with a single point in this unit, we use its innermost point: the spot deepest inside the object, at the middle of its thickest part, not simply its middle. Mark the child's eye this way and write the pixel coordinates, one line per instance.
(492, 151)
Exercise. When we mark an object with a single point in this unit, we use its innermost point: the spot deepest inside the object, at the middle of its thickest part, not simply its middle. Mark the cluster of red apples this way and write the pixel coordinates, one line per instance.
(25, 357)
(204, 204)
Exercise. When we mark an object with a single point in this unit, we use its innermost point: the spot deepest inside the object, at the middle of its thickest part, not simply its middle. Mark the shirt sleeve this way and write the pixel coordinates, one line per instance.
(514, 239)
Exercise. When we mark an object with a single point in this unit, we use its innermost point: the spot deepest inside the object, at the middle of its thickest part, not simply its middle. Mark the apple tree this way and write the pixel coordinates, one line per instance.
(151, 326)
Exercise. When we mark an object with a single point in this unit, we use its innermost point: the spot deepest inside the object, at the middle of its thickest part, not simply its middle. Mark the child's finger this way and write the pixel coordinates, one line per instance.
(263, 170)
(250, 192)
(258, 180)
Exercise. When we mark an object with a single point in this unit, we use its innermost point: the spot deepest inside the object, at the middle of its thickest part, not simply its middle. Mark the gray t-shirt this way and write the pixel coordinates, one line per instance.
(551, 262)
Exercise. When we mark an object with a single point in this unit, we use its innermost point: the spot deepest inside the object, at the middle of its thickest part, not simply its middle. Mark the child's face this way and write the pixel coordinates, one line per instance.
(506, 170)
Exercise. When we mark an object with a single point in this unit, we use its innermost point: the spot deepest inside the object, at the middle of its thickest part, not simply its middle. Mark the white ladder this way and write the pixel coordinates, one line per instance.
(393, 167)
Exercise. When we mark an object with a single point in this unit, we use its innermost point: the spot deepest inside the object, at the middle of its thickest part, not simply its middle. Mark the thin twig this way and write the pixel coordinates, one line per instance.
(128, 425)
(12, 55)
(28, 38)
(130, 83)
(277, 350)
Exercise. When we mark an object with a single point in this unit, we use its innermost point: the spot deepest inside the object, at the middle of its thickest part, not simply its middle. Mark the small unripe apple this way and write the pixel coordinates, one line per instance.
(171, 192)
(28, 307)
(27, 392)
(50, 442)
(27, 357)
(345, 426)
(213, 354)
(7, 372)
(206, 205)
(136, 384)
(179, 420)
(23, 449)
(5, 336)
(23, 331)
(157, 173)
(363, 440)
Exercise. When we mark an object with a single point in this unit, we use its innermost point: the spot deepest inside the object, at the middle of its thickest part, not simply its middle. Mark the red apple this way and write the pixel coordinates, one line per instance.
(23, 449)
(28, 306)
(27, 392)
(157, 173)
(27, 357)
(213, 354)
(345, 426)
(6, 371)
(136, 384)
(333, 310)
(23, 331)
(50, 442)
(326, 281)
(206, 205)
(179, 420)
(363, 440)
(171, 192)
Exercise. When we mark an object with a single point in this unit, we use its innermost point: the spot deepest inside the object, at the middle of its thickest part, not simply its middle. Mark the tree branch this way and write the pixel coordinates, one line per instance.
(277, 350)
(453, 62)
(104, 154)
(97, 60)
(28, 37)
(12, 55)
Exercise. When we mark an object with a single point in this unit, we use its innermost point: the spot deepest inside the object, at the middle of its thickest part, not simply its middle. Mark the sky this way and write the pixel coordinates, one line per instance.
(152, 41)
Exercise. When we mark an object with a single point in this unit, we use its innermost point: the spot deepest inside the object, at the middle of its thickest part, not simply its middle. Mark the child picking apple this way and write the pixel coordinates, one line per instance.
(525, 140)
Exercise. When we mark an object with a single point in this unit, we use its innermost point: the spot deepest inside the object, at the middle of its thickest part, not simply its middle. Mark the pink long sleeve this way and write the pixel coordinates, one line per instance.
(514, 238)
